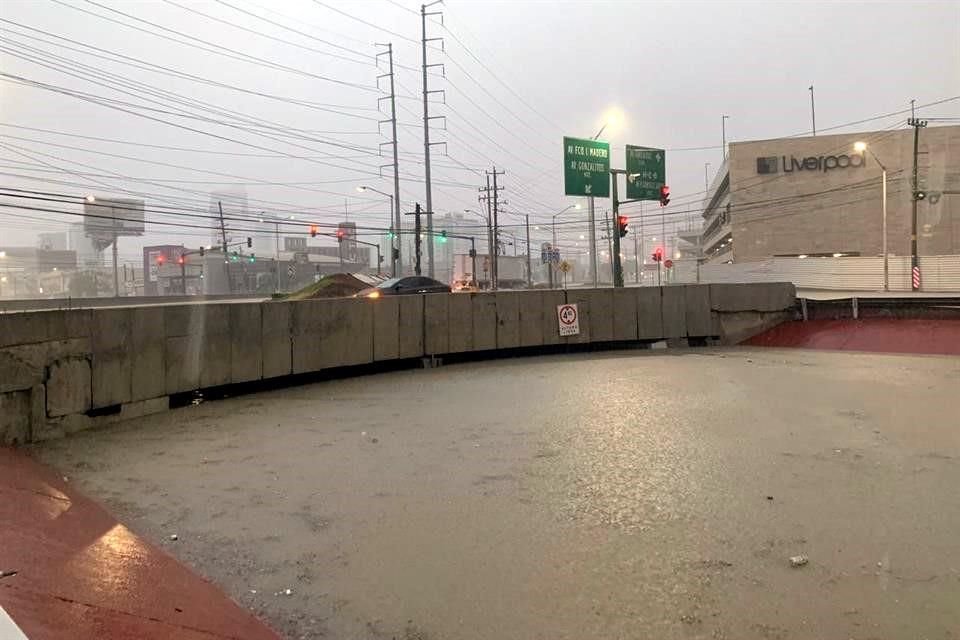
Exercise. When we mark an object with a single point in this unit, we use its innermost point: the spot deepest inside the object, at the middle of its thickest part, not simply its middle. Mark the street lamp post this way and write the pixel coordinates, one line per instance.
(862, 147)
(395, 241)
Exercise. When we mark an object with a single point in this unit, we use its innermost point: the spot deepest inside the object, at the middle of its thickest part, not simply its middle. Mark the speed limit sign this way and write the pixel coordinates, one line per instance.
(568, 319)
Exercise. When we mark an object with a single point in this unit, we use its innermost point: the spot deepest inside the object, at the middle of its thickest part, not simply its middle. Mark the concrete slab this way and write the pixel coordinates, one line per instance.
(411, 326)
(508, 318)
(18, 370)
(68, 387)
(112, 359)
(697, 309)
(306, 328)
(625, 313)
(436, 323)
(673, 310)
(531, 318)
(386, 328)
(484, 307)
(460, 323)
(181, 356)
(147, 353)
(217, 345)
(275, 340)
(758, 296)
(549, 301)
(246, 350)
(582, 298)
(347, 332)
(649, 314)
(15, 426)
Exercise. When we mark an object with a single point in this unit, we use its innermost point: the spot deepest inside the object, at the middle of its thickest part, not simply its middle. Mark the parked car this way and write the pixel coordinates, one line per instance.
(404, 286)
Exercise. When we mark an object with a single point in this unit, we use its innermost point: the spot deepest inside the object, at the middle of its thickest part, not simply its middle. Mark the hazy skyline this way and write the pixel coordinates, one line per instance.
(545, 70)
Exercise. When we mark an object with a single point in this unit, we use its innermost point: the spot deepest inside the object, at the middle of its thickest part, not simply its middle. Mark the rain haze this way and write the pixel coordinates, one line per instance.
(302, 130)
(317, 320)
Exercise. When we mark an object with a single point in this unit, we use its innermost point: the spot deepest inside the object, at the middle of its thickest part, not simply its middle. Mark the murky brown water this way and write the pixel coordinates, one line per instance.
(619, 495)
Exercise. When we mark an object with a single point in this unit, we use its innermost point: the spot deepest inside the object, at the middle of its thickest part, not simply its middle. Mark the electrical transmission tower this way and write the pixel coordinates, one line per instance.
(426, 120)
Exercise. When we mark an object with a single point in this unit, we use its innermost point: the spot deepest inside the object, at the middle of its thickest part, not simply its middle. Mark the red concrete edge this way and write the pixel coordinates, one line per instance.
(882, 335)
(83, 575)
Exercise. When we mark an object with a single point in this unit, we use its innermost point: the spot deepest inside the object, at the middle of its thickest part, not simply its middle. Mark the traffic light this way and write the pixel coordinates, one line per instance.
(622, 222)
(313, 231)
(443, 237)
(253, 258)
(389, 235)
(203, 251)
(396, 253)
(249, 242)
(235, 256)
(161, 259)
(664, 195)
(658, 254)
(181, 260)
(920, 195)
(340, 234)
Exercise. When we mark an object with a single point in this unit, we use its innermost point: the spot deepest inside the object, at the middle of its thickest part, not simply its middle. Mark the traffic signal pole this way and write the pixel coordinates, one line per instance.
(615, 228)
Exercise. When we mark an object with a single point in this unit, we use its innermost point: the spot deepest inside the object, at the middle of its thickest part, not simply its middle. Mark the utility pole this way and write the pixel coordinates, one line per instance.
(918, 195)
(396, 259)
(706, 177)
(496, 228)
(416, 237)
(226, 257)
(116, 275)
(723, 134)
(813, 112)
(636, 258)
(426, 125)
(529, 272)
(491, 246)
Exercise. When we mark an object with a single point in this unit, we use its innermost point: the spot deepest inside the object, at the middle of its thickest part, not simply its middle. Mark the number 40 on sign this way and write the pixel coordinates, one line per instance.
(568, 319)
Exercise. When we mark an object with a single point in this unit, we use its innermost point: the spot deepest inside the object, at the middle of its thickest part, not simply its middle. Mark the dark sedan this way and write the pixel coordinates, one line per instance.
(404, 286)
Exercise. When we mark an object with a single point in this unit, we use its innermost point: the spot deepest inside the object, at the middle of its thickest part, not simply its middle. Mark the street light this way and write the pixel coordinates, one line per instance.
(394, 230)
(861, 147)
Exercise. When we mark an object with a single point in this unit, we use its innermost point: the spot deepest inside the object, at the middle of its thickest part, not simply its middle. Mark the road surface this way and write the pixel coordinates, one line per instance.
(637, 494)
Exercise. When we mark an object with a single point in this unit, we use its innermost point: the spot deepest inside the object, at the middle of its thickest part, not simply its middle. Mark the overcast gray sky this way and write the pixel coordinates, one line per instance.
(519, 76)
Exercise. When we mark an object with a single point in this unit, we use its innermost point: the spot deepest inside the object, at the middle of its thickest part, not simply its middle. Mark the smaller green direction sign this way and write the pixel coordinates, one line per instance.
(586, 167)
(646, 172)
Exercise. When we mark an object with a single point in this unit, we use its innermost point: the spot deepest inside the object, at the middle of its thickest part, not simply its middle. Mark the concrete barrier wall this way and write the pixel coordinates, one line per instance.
(62, 371)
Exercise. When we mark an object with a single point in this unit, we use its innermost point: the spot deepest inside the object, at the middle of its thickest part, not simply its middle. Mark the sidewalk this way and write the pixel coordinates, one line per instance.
(82, 575)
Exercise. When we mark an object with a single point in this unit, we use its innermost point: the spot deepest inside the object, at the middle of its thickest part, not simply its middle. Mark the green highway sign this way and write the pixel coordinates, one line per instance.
(586, 167)
(646, 172)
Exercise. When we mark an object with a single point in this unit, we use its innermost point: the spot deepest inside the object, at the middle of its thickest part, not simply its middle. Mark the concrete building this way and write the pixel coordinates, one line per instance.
(818, 196)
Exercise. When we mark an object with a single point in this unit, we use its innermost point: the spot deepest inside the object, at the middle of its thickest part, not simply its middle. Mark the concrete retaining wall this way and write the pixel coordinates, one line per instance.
(62, 371)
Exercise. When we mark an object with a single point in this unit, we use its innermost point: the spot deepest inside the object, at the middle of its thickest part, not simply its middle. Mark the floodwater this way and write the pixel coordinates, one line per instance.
(635, 494)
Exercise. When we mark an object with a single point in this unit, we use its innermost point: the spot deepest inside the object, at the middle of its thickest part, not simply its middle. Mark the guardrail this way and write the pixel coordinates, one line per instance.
(63, 371)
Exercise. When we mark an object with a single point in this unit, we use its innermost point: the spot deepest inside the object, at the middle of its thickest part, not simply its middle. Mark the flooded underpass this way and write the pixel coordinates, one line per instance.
(635, 494)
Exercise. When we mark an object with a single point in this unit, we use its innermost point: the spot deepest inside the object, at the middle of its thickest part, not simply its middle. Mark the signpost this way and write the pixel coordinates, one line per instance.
(586, 167)
(568, 319)
(646, 172)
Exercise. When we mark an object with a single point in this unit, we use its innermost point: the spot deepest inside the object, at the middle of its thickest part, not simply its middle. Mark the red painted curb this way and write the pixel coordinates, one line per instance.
(83, 575)
(883, 335)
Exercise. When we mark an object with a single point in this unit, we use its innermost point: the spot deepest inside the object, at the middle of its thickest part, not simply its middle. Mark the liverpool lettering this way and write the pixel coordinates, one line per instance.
(773, 164)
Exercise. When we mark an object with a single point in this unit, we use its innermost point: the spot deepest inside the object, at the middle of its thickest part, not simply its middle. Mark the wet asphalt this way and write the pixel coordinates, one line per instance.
(636, 494)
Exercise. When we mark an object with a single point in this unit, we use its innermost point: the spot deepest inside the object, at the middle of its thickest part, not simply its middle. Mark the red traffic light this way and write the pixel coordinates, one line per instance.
(313, 231)
(161, 259)
(340, 234)
(657, 254)
(664, 195)
(181, 260)
(622, 222)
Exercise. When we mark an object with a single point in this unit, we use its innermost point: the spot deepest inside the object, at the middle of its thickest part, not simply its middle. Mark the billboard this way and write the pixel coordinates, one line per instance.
(104, 217)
